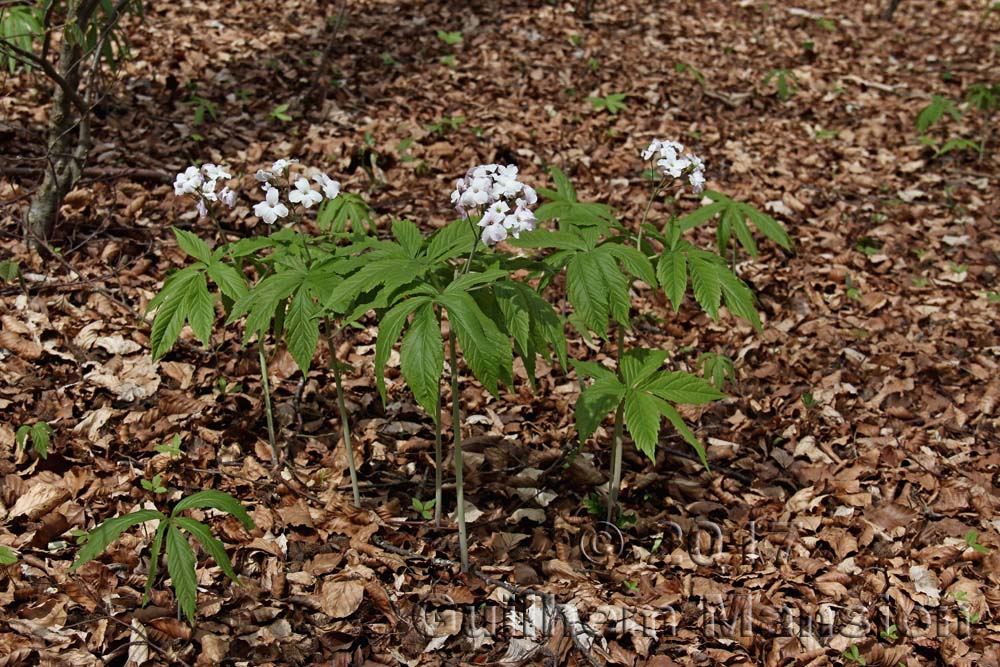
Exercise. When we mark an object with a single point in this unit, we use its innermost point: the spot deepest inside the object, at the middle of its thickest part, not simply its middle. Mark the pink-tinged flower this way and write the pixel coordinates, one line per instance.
(263, 176)
(304, 194)
(227, 197)
(271, 208)
(202, 209)
(188, 181)
(493, 234)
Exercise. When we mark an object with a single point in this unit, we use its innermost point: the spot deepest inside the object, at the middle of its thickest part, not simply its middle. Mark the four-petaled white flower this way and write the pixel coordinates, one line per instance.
(188, 181)
(279, 166)
(493, 234)
(263, 176)
(215, 172)
(330, 187)
(271, 208)
(304, 194)
(672, 161)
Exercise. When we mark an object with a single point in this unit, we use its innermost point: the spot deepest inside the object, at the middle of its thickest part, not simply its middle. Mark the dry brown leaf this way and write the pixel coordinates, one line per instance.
(340, 599)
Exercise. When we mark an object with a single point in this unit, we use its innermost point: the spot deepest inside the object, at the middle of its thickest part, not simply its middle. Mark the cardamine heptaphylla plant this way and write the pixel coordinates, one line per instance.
(475, 293)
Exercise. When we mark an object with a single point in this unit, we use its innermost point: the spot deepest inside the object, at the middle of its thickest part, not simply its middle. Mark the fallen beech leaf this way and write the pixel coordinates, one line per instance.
(340, 599)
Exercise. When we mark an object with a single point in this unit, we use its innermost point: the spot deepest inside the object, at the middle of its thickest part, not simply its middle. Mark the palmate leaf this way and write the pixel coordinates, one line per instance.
(933, 112)
(421, 358)
(210, 498)
(154, 559)
(680, 387)
(532, 321)
(109, 531)
(261, 303)
(214, 547)
(487, 351)
(390, 326)
(180, 565)
(595, 403)
(570, 212)
(733, 218)
(347, 208)
(302, 329)
(192, 245)
(638, 364)
(642, 419)
(183, 298)
(671, 272)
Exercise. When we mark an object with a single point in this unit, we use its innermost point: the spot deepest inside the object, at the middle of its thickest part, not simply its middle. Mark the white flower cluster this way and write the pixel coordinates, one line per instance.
(674, 162)
(203, 183)
(501, 200)
(301, 191)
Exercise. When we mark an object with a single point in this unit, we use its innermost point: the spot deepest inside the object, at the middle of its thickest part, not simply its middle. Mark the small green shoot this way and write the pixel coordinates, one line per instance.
(450, 38)
(854, 655)
(7, 556)
(808, 400)
(154, 485)
(201, 107)
(890, 634)
(173, 447)
(631, 586)
(181, 558)
(424, 508)
(446, 124)
(613, 103)
(684, 68)
(594, 505)
(40, 435)
(716, 368)
(784, 80)
(9, 270)
(280, 113)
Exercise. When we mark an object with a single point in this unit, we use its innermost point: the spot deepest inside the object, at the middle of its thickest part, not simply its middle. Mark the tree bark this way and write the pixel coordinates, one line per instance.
(68, 134)
(890, 10)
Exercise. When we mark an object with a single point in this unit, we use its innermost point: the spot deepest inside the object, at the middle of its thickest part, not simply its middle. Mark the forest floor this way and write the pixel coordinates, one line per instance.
(851, 511)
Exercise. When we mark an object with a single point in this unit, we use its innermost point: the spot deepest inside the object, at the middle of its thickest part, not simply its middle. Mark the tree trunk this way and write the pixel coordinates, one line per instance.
(890, 10)
(68, 139)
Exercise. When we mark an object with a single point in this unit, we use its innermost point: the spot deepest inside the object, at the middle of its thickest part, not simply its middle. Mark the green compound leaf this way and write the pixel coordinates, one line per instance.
(192, 245)
(210, 498)
(390, 326)
(680, 387)
(302, 329)
(642, 419)
(109, 531)
(421, 358)
(181, 566)
(213, 546)
(595, 403)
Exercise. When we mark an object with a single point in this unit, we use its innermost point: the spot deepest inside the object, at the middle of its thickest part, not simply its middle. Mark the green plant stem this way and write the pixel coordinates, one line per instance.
(616, 445)
(456, 418)
(645, 214)
(275, 454)
(616, 464)
(345, 423)
(438, 464)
